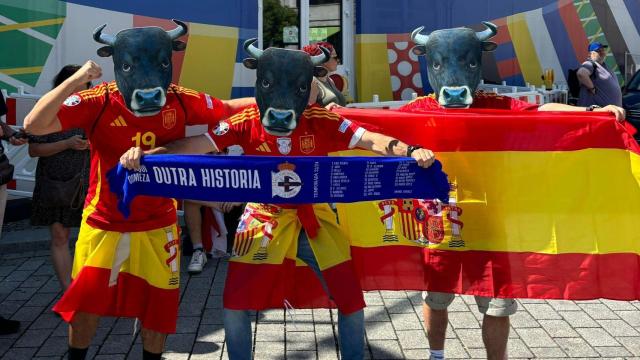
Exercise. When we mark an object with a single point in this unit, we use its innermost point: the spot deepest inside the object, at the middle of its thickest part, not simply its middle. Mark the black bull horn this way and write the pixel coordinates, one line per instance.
(486, 34)
(108, 39)
(257, 53)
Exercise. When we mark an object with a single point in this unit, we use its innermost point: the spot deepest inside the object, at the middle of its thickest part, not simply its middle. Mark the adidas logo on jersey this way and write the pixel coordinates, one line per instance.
(119, 121)
(264, 148)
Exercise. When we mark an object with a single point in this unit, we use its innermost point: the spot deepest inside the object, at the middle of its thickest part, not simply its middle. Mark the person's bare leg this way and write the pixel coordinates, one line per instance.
(435, 321)
(495, 334)
(153, 341)
(82, 329)
(193, 219)
(60, 255)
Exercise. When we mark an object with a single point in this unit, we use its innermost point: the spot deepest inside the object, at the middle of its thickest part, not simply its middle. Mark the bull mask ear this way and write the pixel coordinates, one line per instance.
(489, 46)
(419, 50)
(250, 63)
(178, 45)
(105, 51)
(319, 71)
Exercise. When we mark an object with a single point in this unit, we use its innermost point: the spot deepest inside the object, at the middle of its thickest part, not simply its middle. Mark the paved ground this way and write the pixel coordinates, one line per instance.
(541, 329)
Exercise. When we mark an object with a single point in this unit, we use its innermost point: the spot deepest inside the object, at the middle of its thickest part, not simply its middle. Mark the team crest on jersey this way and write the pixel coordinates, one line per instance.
(285, 183)
(284, 145)
(221, 129)
(72, 100)
(169, 119)
(307, 144)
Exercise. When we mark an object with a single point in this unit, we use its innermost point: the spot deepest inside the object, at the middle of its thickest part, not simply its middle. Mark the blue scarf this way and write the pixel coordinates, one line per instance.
(278, 180)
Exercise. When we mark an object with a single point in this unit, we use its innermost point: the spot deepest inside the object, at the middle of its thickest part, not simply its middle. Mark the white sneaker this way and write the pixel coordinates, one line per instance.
(198, 259)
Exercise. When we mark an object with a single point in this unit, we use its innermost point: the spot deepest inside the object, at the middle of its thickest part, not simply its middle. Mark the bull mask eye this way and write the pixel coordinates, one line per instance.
(436, 66)
(304, 88)
(126, 67)
(473, 64)
(265, 83)
(165, 64)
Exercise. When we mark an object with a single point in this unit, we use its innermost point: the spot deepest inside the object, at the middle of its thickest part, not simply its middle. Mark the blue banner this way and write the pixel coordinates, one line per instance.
(278, 180)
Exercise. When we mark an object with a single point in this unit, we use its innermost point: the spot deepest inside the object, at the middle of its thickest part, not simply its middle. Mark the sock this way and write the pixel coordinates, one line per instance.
(198, 247)
(437, 354)
(77, 354)
(150, 356)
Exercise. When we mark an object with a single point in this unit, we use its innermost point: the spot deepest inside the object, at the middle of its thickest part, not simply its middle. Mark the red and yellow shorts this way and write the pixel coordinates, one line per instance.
(134, 275)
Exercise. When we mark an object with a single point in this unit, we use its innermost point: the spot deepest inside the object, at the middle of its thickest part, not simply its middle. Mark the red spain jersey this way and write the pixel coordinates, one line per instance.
(116, 131)
(318, 133)
(481, 100)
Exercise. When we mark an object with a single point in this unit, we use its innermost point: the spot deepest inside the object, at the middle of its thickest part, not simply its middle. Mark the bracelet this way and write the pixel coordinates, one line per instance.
(412, 148)
(592, 107)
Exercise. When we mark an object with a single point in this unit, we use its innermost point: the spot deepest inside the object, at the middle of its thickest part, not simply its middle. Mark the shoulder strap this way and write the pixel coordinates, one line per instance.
(104, 107)
(595, 68)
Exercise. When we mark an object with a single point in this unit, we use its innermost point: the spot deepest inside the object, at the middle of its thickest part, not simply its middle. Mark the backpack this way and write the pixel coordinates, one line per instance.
(572, 79)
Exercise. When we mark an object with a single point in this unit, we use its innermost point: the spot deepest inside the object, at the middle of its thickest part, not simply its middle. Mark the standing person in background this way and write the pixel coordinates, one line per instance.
(598, 84)
(328, 94)
(62, 155)
(6, 133)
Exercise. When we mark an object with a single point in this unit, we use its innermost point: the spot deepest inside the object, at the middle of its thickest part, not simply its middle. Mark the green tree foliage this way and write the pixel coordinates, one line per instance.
(275, 17)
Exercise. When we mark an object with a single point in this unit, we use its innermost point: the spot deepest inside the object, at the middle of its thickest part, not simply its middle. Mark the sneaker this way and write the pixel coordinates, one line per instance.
(198, 259)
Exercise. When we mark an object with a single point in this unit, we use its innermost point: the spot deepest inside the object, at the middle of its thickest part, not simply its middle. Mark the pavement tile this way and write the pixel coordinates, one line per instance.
(535, 337)
(471, 338)
(117, 344)
(373, 298)
(19, 275)
(33, 338)
(415, 297)
(54, 346)
(631, 343)
(274, 349)
(597, 337)
(558, 328)
(413, 339)
(522, 319)
(578, 319)
(187, 324)
(576, 347)
(416, 354)
(180, 343)
(175, 356)
(458, 305)
(206, 351)
(210, 334)
(463, 320)
(214, 302)
(406, 321)
(28, 313)
(598, 311)
(455, 349)
(398, 305)
(274, 316)
(212, 316)
(393, 294)
(631, 317)
(46, 320)
(564, 305)
(192, 308)
(112, 357)
(301, 355)
(41, 299)
(35, 281)
(21, 293)
(385, 349)
(548, 352)
(380, 331)
(618, 328)
(542, 311)
(618, 305)
(20, 353)
(516, 348)
(301, 341)
(611, 351)
(376, 313)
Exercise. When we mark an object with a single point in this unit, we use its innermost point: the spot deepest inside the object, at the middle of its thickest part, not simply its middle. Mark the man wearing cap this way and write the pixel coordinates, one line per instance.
(598, 85)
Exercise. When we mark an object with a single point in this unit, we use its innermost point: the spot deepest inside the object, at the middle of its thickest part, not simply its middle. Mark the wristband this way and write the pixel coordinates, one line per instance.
(412, 148)
(592, 107)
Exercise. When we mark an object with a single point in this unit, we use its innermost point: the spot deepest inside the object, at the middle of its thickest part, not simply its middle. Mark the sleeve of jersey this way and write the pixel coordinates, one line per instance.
(226, 134)
(205, 110)
(81, 109)
(348, 134)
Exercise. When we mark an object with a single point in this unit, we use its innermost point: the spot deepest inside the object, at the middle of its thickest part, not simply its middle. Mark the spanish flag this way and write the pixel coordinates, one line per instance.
(543, 205)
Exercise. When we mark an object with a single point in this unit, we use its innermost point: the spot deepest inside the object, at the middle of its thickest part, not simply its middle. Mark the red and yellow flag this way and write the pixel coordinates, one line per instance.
(544, 205)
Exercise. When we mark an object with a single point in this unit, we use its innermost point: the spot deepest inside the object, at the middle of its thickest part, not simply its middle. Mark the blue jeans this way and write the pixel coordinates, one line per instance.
(237, 325)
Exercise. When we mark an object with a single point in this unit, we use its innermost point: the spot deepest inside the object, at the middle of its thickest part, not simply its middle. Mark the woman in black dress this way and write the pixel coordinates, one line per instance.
(61, 155)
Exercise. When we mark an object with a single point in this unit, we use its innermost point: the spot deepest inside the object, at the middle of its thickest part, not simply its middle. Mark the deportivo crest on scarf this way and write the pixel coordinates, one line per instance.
(284, 145)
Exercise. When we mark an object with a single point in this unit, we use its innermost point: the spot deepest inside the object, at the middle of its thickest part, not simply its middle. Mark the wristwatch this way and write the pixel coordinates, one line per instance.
(412, 148)
(592, 107)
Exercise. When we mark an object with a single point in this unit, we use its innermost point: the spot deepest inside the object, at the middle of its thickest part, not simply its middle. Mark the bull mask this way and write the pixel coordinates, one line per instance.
(283, 84)
(454, 59)
(142, 63)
